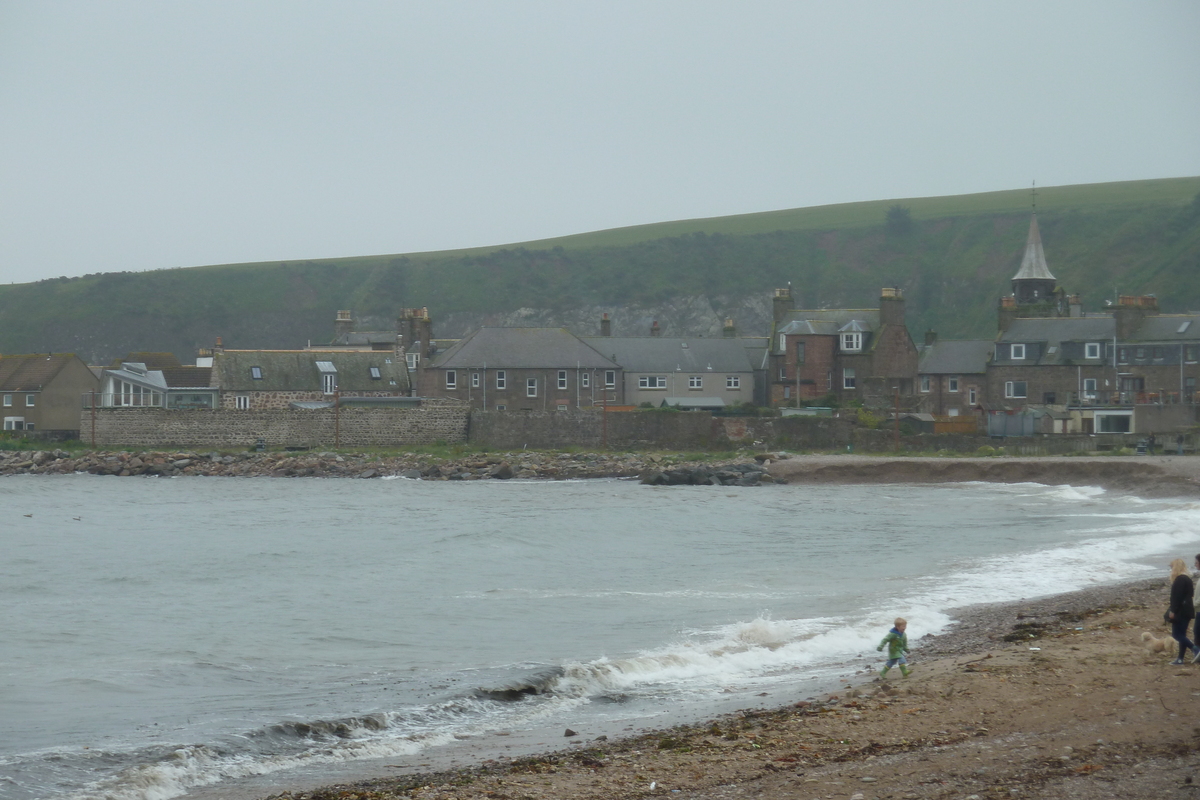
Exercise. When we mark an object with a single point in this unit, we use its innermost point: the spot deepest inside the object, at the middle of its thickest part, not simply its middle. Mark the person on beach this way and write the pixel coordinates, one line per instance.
(897, 645)
(1181, 611)
(1150, 442)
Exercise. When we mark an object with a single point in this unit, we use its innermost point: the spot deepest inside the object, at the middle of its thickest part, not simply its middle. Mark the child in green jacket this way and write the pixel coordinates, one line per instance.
(897, 645)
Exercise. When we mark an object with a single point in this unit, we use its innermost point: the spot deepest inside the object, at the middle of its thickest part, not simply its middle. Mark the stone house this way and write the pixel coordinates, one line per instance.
(854, 354)
(681, 372)
(275, 379)
(952, 376)
(520, 369)
(44, 392)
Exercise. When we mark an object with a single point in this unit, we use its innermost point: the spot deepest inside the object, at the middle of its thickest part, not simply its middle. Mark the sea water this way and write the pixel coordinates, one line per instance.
(232, 637)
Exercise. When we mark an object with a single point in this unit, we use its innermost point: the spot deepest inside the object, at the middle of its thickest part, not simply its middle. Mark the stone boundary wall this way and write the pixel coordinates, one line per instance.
(435, 421)
(591, 428)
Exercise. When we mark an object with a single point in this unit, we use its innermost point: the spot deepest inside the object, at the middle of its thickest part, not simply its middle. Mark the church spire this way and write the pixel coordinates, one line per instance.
(1033, 265)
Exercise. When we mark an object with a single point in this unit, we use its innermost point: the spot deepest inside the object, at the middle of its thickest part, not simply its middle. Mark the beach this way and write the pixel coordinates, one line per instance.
(1055, 697)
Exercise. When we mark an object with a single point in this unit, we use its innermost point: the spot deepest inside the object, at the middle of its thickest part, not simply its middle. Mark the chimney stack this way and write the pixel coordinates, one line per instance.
(782, 303)
(219, 347)
(605, 325)
(729, 332)
(654, 329)
(891, 306)
(343, 324)
(930, 337)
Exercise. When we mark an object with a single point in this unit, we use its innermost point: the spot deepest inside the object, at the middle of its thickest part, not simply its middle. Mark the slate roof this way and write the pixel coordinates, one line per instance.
(364, 339)
(1033, 264)
(655, 354)
(29, 373)
(828, 321)
(297, 371)
(956, 357)
(174, 374)
(521, 348)
(1052, 330)
(1168, 328)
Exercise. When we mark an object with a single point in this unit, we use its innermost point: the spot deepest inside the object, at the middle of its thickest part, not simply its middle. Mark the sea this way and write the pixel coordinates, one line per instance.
(204, 637)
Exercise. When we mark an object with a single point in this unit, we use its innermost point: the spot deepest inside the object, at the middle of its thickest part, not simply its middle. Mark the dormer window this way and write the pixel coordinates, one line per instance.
(413, 359)
(256, 373)
(1091, 350)
(851, 342)
(1018, 352)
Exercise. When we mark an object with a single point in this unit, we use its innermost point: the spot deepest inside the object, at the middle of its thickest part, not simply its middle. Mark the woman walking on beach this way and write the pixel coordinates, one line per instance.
(1181, 610)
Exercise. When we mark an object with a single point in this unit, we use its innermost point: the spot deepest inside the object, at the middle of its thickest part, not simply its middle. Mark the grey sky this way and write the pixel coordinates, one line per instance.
(142, 135)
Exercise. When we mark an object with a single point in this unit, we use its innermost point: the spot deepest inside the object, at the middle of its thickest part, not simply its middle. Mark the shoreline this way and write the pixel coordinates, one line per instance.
(1053, 697)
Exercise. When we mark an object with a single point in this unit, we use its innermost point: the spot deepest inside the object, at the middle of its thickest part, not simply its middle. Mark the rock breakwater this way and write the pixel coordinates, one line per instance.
(497, 466)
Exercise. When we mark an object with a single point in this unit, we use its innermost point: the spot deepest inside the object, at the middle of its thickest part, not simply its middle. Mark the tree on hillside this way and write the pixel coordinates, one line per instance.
(899, 221)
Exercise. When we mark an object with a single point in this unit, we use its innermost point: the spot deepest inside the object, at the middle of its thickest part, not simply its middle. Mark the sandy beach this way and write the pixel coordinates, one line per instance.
(1054, 697)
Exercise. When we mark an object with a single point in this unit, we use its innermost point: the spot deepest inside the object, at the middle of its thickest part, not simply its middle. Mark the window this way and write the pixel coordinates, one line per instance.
(610, 379)
(256, 373)
(852, 341)
(562, 379)
(799, 352)
(585, 380)
(14, 423)
(783, 373)
(1189, 389)
(242, 402)
(695, 381)
(562, 407)
(848, 380)
(451, 379)
(474, 380)
(733, 382)
(1123, 355)
(1014, 389)
(8, 401)
(531, 387)
(375, 374)
(30, 400)
(412, 359)
(953, 412)
(972, 395)
(1091, 350)
(1089, 388)
(1048, 398)
(952, 384)
(1139, 353)
(652, 382)
(829, 381)
(924, 383)
(1189, 353)
(29, 426)
(1159, 354)
(1018, 352)
(329, 382)
(501, 407)
(782, 343)
(501, 379)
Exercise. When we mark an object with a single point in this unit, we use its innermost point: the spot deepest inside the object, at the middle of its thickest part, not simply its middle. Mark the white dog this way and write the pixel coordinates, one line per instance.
(1154, 644)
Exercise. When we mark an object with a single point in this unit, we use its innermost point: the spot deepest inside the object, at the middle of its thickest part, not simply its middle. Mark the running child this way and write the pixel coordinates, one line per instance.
(897, 645)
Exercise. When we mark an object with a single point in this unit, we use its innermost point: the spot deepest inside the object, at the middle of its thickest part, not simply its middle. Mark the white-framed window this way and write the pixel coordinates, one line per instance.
(1091, 350)
(782, 342)
(29, 426)
(610, 379)
(474, 380)
(501, 407)
(1015, 389)
(374, 373)
(30, 400)
(242, 402)
(1089, 388)
(451, 379)
(852, 342)
(972, 395)
(925, 383)
(585, 380)
(652, 382)
(256, 373)
(829, 381)
(8, 401)
(848, 379)
(953, 412)
(531, 387)
(412, 359)
(695, 381)
(328, 382)
(562, 406)
(14, 423)
(562, 379)
(501, 379)
(952, 384)
(733, 381)
(1018, 352)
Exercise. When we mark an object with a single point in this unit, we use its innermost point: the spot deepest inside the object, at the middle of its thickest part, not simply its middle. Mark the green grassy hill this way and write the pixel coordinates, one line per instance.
(953, 262)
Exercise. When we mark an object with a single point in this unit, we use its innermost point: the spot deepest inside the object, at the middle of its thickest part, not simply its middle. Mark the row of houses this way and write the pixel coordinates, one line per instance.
(1052, 367)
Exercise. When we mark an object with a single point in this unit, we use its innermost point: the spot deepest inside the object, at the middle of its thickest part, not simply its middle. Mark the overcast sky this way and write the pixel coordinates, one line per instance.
(143, 135)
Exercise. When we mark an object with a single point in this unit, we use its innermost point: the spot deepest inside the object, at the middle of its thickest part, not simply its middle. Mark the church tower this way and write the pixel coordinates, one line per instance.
(1033, 282)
